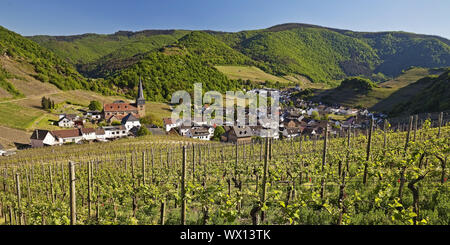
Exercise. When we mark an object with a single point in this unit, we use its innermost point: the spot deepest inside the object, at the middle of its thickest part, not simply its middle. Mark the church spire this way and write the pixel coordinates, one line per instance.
(140, 100)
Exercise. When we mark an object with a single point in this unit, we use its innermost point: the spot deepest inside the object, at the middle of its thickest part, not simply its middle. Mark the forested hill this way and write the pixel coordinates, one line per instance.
(46, 65)
(319, 53)
(180, 65)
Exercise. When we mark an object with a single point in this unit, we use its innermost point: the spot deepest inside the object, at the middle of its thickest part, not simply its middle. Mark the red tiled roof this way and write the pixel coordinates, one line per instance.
(99, 131)
(68, 133)
(119, 107)
(87, 130)
(167, 121)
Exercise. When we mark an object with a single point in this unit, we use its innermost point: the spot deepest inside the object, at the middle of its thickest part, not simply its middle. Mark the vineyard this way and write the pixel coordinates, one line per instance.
(377, 176)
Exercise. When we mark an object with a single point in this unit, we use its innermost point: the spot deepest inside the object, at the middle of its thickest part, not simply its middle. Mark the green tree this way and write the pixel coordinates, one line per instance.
(325, 117)
(143, 131)
(315, 115)
(218, 132)
(46, 103)
(95, 105)
(116, 123)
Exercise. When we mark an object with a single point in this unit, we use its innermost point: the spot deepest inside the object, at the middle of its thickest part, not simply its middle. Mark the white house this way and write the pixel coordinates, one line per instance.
(184, 130)
(88, 134)
(2, 150)
(67, 136)
(100, 134)
(67, 121)
(199, 133)
(130, 121)
(291, 132)
(269, 133)
(41, 138)
(113, 132)
(169, 124)
(94, 115)
(211, 131)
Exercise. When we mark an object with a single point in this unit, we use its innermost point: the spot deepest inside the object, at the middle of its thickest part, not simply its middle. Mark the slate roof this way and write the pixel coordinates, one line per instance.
(242, 132)
(140, 99)
(156, 131)
(291, 131)
(199, 131)
(129, 118)
(39, 134)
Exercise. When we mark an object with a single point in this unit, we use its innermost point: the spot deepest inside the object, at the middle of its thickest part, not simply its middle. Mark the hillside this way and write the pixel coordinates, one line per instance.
(394, 96)
(251, 73)
(170, 60)
(434, 97)
(87, 48)
(319, 54)
(45, 66)
(163, 74)
(205, 47)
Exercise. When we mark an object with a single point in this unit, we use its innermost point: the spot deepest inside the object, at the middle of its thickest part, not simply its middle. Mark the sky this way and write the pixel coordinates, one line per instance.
(63, 17)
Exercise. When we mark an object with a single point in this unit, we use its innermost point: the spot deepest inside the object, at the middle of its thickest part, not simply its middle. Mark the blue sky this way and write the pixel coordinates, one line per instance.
(61, 17)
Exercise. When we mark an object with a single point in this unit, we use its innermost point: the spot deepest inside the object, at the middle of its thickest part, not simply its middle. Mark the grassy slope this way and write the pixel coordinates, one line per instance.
(251, 73)
(434, 96)
(386, 96)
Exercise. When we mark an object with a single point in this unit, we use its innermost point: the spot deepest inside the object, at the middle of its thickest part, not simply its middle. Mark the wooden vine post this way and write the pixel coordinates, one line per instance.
(369, 142)
(403, 168)
(143, 168)
(19, 199)
(416, 118)
(162, 218)
(341, 198)
(264, 181)
(236, 159)
(385, 136)
(153, 166)
(183, 188)
(51, 183)
(89, 188)
(73, 211)
(441, 118)
(324, 160)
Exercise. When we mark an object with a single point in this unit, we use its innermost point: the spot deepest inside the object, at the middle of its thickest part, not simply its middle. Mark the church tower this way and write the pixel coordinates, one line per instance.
(140, 100)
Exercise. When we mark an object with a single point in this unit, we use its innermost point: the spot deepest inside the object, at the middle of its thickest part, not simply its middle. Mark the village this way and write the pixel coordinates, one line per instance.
(302, 118)
(297, 118)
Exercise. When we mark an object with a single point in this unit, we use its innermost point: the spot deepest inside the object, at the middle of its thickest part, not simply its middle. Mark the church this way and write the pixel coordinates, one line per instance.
(119, 109)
